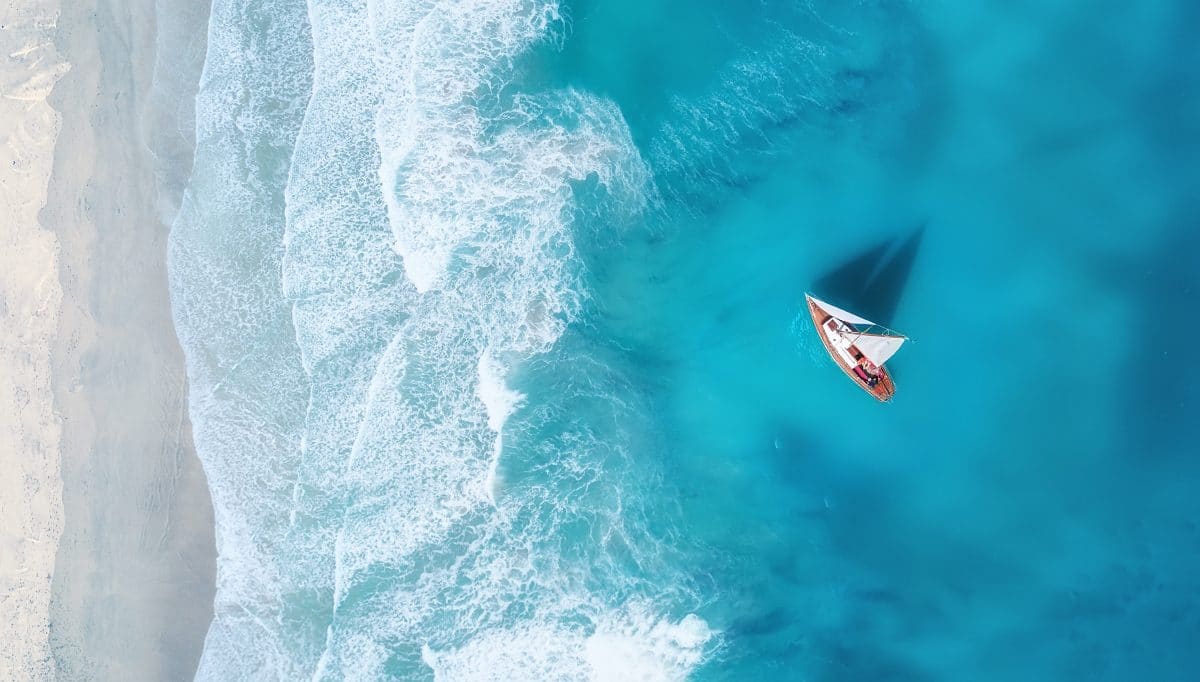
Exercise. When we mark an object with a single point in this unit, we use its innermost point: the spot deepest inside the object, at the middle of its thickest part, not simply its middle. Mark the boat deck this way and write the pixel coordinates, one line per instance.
(847, 358)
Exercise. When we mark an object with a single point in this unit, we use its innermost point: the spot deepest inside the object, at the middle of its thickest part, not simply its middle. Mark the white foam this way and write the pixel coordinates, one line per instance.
(479, 205)
(626, 645)
(372, 504)
(499, 401)
(644, 649)
(247, 388)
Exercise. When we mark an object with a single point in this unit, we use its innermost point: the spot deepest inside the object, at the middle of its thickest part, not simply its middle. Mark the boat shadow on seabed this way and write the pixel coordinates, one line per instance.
(872, 282)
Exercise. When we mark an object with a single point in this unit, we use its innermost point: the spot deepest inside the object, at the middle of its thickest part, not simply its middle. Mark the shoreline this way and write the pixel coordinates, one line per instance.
(135, 572)
(107, 552)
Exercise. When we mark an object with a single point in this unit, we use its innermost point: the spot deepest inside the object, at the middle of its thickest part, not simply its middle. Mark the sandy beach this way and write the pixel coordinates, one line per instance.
(30, 487)
(107, 556)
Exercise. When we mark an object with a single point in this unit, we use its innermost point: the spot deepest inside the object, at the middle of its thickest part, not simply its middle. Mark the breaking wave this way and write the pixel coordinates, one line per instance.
(372, 274)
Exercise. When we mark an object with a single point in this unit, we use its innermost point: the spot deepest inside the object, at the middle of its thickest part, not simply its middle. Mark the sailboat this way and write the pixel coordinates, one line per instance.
(859, 346)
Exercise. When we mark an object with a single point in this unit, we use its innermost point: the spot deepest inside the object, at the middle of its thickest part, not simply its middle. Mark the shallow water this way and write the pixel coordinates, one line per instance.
(500, 366)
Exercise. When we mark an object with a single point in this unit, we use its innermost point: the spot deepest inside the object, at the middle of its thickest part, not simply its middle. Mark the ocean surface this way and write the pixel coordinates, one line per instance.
(500, 367)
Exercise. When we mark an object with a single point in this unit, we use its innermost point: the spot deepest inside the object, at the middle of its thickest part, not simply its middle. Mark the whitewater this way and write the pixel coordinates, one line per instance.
(375, 252)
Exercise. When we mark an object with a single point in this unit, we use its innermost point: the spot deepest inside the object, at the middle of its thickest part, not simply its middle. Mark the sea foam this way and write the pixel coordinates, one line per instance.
(415, 255)
(247, 387)
(624, 646)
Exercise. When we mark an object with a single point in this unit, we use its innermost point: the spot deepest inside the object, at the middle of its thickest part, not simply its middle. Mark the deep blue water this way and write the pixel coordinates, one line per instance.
(501, 369)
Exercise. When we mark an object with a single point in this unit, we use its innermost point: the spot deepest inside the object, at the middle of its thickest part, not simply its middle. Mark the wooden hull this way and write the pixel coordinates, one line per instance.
(883, 390)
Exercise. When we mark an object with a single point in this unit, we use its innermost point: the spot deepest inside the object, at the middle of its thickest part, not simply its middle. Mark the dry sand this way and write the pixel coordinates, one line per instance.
(107, 557)
(30, 487)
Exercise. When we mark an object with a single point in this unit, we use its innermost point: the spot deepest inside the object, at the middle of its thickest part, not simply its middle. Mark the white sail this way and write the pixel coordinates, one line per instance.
(879, 348)
(843, 315)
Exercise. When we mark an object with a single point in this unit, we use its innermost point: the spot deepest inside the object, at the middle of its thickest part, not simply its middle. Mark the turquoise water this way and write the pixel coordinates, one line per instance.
(500, 367)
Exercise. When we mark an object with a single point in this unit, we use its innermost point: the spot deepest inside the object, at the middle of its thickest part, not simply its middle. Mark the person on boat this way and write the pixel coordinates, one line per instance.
(871, 370)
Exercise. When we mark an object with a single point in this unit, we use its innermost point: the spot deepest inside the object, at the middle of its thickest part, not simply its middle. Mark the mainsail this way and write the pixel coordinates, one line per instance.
(878, 347)
(843, 315)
